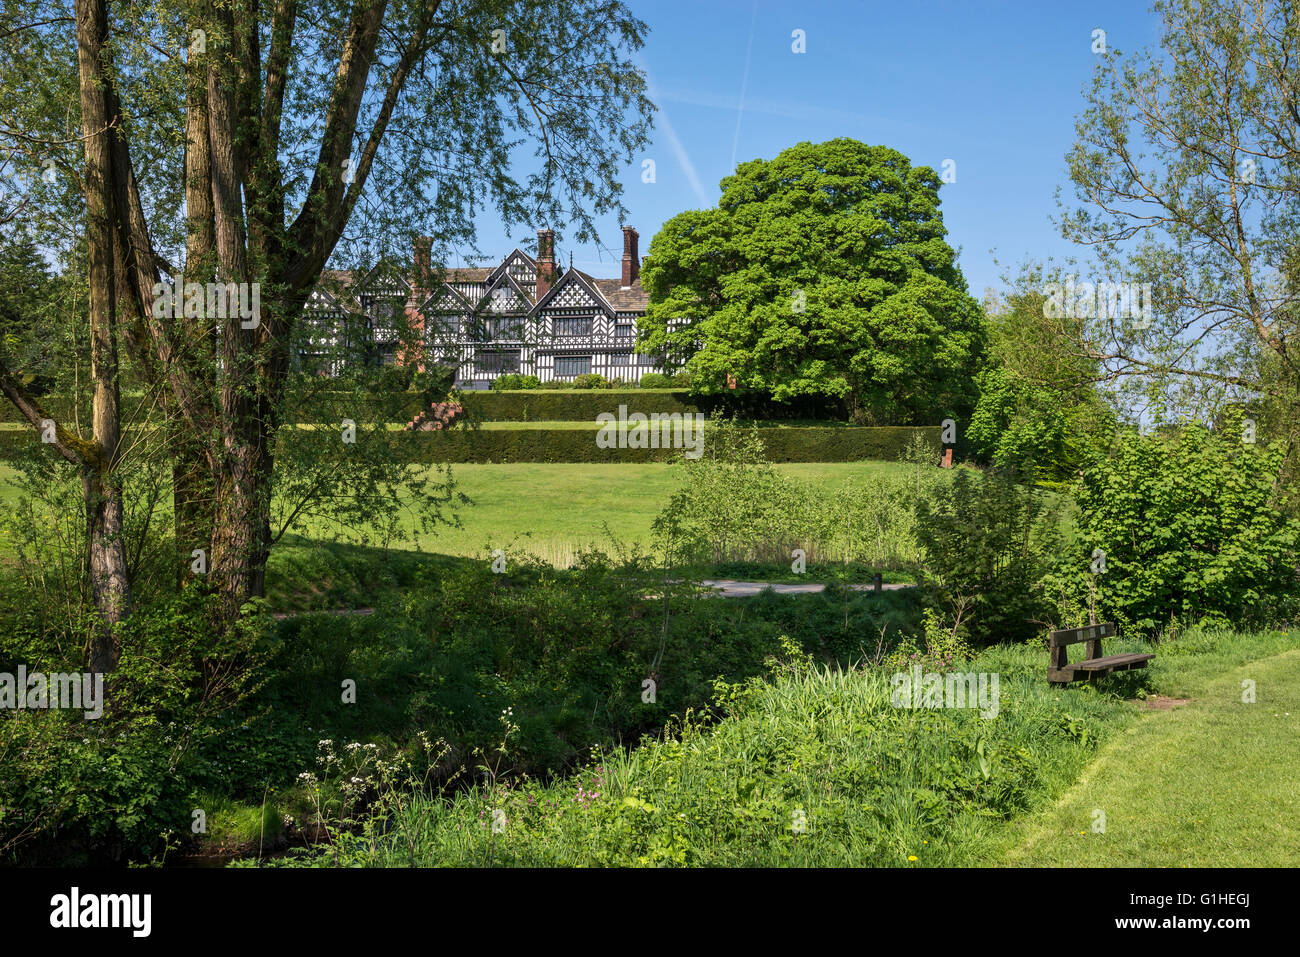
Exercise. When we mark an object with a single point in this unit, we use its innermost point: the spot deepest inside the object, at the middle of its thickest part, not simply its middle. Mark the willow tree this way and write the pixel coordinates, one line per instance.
(242, 142)
(1185, 171)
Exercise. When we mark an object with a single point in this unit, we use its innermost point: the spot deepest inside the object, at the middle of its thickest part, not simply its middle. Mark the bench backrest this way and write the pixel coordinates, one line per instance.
(1072, 636)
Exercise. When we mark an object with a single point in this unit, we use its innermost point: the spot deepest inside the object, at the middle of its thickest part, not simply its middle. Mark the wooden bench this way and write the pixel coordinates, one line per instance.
(1094, 664)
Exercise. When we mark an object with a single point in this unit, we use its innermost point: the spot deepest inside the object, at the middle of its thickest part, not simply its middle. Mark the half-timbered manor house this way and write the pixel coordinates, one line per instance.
(523, 315)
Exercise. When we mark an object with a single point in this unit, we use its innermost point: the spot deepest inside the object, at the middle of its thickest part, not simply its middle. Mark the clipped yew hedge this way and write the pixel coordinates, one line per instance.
(546, 406)
(796, 444)
(810, 444)
(523, 406)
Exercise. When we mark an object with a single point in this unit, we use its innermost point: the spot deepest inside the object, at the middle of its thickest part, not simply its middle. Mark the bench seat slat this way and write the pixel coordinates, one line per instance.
(1110, 661)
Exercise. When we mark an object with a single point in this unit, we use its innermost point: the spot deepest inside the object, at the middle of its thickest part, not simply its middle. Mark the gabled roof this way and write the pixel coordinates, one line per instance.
(387, 271)
(505, 263)
(506, 280)
(344, 286)
(450, 291)
(571, 276)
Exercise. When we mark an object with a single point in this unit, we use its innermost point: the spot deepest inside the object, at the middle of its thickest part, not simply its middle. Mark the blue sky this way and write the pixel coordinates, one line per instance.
(994, 86)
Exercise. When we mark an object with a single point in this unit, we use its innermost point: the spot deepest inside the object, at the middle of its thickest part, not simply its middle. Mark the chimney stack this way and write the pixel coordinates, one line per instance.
(631, 261)
(420, 273)
(545, 261)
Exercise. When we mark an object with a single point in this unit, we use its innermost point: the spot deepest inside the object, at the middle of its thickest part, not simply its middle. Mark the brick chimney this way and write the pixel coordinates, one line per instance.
(421, 276)
(421, 280)
(631, 261)
(545, 261)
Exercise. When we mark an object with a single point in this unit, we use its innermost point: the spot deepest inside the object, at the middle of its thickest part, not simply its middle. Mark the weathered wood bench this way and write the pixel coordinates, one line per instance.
(1094, 664)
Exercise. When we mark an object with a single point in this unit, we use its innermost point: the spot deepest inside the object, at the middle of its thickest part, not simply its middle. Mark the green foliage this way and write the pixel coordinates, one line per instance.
(1193, 527)
(656, 380)
(733, 506)
(809, 768)
(33, 329)
(351, 486)
(78, 790)
(513, 380)
(1038, 412)
(589, 380)
(795, 444)
(822, 272)
(989, 541)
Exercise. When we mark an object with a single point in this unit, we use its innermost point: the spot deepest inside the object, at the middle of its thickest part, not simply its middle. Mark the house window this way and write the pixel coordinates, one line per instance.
(623, 330)
(503, 329)
(566, 367)
(620, 359)
(573, 325)
(506, 361)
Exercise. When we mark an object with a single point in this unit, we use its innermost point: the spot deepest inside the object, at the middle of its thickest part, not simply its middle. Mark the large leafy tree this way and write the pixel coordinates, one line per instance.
(823, 272)
(249, 142)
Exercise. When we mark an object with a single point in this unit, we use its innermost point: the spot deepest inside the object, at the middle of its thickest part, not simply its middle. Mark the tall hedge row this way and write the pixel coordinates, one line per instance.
(529, 406)
(801, 444)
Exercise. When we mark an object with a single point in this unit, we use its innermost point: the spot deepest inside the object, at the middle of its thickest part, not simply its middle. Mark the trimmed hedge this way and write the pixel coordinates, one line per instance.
(811, 444)
(523, 406)
(805, 444)
(530, 405)
(584, 406)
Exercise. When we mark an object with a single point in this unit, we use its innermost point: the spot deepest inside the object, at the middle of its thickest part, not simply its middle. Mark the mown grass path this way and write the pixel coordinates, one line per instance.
(1213, 783)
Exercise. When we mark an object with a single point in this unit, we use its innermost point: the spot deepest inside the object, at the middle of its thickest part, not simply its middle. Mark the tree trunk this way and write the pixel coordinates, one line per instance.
(242, 520)
(102, 489)
(107, 567)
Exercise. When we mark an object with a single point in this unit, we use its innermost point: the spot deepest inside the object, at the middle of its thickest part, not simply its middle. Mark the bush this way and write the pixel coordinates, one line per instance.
(682, 380)
(989, 542)
(1193, 527)
(513, 380)
(79, 790)
(655, 380)
(733, 506)
(589, 380)
(570, 407)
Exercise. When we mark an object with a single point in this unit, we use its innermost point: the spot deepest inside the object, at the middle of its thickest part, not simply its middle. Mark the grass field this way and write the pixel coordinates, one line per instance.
(553, 510)
(1211, 782)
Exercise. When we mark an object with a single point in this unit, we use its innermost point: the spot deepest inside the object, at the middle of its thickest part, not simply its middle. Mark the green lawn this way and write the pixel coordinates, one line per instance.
(1212, 783)
(564, 507)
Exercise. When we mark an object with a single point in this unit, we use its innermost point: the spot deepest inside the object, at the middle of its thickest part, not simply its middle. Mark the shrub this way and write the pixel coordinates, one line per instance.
(989, 542)
(1192, 526)
(91, 791)
(569, 407)
(589, 380)
(655, 380)
(514, 381)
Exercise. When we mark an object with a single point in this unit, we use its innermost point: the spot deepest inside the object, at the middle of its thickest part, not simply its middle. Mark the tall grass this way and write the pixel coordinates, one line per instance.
(815, 768)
